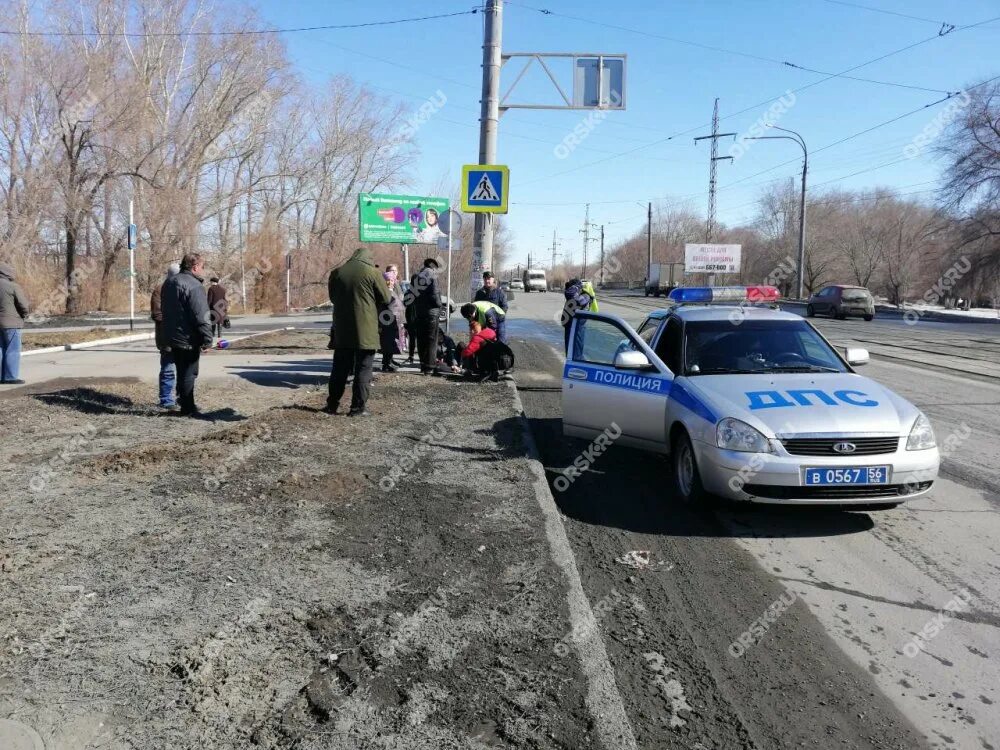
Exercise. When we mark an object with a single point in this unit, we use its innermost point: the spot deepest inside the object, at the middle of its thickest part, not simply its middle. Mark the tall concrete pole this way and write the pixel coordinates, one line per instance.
(489, 119)
(649, 242)
(602, 255)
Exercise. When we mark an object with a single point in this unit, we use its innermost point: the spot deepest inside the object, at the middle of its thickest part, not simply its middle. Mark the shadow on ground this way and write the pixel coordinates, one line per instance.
(630, 489)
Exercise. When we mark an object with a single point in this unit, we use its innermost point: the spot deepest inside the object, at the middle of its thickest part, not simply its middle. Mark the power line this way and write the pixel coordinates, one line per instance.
(244, 32)
(942, 24)
(738, 53)
(753, 106)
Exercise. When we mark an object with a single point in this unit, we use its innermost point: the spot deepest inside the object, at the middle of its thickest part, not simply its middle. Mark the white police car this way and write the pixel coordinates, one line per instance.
(751, 403)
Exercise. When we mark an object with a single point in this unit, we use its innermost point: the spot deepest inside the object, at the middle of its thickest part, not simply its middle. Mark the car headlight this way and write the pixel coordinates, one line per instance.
(921, 436)
(734, 435)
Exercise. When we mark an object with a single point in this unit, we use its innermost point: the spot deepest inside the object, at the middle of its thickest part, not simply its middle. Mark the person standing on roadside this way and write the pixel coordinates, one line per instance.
(357, 290)
(219, 305)
(427, 314)
(13, 311)
(391, 321)
(577, 298)
(491, 292)
(168, 371)
(187, 326)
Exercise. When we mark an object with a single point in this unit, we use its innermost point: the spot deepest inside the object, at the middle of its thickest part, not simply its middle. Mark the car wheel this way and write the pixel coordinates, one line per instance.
(810, 311)
(869, 318)
(684, 468)
(838, 314)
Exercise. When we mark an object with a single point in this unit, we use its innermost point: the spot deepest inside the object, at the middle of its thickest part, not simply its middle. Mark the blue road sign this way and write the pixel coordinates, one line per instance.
(485, 188)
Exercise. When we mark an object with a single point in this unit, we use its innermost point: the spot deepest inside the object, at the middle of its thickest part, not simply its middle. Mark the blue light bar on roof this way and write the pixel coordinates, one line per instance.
(724, 294)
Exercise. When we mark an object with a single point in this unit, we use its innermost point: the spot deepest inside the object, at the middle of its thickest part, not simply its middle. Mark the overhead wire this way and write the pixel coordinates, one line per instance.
(242, 32)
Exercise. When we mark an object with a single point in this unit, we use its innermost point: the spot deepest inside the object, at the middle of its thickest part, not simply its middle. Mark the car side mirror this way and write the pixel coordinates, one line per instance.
(856, 356)
(631, 361)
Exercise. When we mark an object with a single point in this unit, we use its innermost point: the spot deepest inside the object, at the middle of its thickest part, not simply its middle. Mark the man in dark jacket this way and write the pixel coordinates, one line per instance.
(13, 311)
(576, 299)
(356, 291)
(426, 300)
(219, 305)
(187, 326)
(168, 371)
(491, 292)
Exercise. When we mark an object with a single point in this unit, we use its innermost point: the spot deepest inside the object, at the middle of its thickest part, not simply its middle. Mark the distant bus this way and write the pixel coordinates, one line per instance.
(534, 280)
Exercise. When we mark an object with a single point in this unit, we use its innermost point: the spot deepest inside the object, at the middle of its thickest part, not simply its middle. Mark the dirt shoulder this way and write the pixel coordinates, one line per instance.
(279, 577)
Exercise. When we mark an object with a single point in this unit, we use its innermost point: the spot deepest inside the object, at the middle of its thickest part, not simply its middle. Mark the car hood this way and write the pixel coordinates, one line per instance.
(795, 404)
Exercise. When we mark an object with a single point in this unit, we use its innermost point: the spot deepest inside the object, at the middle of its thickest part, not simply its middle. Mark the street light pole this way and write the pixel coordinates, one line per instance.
(802, 200)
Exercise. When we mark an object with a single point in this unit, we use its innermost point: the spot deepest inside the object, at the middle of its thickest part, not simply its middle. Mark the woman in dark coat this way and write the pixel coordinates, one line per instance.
(392, 321)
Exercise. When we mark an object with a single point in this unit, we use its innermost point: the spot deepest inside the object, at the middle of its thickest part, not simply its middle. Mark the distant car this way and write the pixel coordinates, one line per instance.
(505, 285)
(517, 285)
(839, 301)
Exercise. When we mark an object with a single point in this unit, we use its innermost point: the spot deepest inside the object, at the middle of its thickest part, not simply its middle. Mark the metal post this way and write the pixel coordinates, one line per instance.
(406, 261)
(447, 302)
(482, 243)
(649, 243)
(602, 255)
(586, 239)
(243, 271)
(802, 222)
(288, 282)
(131, 270)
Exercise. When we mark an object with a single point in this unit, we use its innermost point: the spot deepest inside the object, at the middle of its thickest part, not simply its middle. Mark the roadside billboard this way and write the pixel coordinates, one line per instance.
(406, 219)
(712, 258)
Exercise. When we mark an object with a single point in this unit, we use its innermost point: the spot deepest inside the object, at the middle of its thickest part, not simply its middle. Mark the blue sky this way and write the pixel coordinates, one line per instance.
(671, 88)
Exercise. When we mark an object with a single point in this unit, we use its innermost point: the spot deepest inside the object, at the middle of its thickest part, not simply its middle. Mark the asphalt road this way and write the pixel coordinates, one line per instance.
(835, 668)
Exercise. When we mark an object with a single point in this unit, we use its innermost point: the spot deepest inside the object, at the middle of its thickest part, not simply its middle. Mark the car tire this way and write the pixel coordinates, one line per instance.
(684, 472)
(869, 318)
(838, 315)
(810, 311)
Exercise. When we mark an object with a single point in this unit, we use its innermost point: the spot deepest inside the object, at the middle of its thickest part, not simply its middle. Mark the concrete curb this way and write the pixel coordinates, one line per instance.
(611, 722)
(89, 344)
(131, 338)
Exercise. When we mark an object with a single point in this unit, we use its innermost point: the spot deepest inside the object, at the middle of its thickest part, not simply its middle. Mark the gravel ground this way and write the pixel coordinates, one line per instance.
(278, 577)
(39, 340)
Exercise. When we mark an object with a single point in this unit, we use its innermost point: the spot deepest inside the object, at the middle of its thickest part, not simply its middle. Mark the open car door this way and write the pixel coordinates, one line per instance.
(613, 380)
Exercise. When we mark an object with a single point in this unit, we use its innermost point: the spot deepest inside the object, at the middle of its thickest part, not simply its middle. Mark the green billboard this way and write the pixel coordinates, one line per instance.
(406, 219)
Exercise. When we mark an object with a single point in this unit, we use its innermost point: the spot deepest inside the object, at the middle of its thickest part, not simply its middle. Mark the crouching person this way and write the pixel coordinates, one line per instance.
(484, 356)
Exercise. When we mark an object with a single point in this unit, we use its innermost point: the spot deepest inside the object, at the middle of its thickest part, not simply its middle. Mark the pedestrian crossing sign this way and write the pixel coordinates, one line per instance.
(485, 188)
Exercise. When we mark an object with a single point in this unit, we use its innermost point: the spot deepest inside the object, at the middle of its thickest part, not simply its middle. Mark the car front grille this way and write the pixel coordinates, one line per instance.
(838, 492)
(864, 446)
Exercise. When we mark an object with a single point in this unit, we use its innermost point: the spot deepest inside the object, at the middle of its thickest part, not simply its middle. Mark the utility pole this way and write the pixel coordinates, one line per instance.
(602, 255)
(482, 244)
(649, 242)
(713, 168)
(555, 245)
(586, 240)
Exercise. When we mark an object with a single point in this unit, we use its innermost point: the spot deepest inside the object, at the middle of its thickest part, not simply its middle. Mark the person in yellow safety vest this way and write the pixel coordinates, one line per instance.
(588, 289)
(489, 316)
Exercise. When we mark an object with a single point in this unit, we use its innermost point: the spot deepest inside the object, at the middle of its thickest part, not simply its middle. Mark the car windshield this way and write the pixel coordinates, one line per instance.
(856, 295)
(714, 347)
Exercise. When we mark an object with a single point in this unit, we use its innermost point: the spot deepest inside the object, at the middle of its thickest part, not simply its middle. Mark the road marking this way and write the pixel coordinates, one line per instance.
(603, 698)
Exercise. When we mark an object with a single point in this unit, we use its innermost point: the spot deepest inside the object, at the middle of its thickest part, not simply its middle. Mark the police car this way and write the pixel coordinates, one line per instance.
(749, 402)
